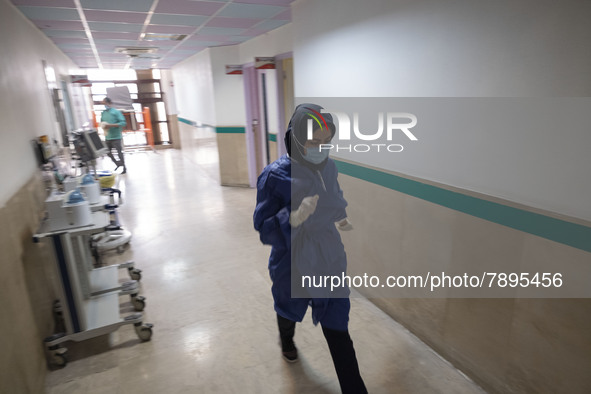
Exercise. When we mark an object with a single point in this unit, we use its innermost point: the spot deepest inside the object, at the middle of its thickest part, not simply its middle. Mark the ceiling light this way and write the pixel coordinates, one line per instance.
(164, 37)
(135, 51)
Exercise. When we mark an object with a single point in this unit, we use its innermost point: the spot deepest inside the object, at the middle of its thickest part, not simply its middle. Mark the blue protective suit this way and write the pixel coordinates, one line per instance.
(315, 246)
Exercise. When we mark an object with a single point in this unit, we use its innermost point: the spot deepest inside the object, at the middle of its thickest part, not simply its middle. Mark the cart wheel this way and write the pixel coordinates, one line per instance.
(61, 360)
(139, 303)
(145, 332)
(135, 274)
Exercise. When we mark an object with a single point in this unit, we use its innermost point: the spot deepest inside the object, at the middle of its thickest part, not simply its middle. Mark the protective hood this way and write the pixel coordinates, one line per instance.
(298, 129)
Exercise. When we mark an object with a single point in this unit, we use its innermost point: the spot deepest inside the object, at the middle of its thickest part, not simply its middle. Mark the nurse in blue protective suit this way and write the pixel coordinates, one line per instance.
(299, 208)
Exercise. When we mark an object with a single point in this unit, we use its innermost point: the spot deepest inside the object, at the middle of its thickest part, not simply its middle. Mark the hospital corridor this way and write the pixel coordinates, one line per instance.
(207, 286)
(295, 197)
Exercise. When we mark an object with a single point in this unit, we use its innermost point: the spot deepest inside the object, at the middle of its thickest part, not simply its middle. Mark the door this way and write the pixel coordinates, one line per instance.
(268, 110)
(67, 106)
(253, 137)
(58, 105)
(269, 105)
(285, 75)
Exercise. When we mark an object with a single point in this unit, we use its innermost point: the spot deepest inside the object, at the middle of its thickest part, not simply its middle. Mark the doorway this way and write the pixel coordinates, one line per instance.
(253, 137)
(269, 104)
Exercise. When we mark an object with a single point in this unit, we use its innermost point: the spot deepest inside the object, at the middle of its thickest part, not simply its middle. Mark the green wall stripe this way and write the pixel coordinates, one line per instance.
(230, 130)
(567, 233)
(273, 137)
(222, 129)
(187, 121)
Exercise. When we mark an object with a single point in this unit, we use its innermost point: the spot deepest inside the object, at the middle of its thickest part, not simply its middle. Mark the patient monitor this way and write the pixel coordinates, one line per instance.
(96, 147)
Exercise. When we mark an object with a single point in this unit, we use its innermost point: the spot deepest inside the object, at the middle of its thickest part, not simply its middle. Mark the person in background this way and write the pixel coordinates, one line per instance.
(299, 208)
(112, 121)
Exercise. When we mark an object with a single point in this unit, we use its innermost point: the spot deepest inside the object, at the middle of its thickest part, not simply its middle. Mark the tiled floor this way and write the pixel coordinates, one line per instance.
(208, 296)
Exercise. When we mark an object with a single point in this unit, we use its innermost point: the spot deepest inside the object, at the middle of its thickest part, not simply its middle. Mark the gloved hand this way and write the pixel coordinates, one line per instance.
(306, 208)
(345, 225)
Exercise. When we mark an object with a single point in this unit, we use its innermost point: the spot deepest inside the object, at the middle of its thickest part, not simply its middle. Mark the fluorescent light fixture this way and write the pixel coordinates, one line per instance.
(164, 37)
(135, 51)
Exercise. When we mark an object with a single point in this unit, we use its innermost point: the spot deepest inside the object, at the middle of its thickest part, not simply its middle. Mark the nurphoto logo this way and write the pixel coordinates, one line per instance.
(395, 122)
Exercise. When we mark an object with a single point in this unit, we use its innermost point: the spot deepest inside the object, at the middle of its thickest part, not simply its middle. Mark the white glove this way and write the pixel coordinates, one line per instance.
(307, 208)
(345, 225)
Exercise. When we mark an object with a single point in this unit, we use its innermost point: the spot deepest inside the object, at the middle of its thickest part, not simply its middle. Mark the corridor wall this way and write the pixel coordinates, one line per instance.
(27, 282)
(458, 48)
(211, 104)
(195, 106)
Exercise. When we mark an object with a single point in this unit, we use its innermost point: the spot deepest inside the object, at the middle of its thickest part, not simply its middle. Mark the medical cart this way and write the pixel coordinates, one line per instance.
(89, 297)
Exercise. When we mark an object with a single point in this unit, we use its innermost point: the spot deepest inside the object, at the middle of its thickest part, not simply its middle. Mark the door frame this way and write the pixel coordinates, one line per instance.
(256, 140)
(283, 117)
(252, 110)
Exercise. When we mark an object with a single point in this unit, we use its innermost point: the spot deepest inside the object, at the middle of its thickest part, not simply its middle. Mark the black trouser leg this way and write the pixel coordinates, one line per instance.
(345, 361)
(111, 146)
(119, 148)
(286, 333)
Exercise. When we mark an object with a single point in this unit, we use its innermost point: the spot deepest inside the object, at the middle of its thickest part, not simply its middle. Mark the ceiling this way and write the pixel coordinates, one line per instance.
(90, 31)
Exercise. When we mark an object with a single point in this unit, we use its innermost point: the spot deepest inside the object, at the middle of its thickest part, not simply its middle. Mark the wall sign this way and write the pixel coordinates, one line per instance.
(233, 69)
(264, 63)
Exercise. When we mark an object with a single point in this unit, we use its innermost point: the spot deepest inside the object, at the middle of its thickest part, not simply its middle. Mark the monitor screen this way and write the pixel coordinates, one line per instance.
(94, 143)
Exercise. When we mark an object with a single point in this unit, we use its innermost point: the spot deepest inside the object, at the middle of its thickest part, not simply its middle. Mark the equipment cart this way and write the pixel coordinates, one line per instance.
(105, 279)
(114, 237)
(90, 301)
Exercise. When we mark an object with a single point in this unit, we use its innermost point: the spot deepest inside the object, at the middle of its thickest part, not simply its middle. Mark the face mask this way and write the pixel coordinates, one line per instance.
(315, 155)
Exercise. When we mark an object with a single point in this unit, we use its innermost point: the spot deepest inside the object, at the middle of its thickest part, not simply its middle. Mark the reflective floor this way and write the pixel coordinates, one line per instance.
(208, 296)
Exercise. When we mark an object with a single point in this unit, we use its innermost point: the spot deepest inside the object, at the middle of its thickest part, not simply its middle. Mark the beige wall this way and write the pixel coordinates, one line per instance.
(173, 129)
(272, 151)
(27, 277)
(505, 345)
(233, 159)
(199, 145)
(28, 286)
(222, 155)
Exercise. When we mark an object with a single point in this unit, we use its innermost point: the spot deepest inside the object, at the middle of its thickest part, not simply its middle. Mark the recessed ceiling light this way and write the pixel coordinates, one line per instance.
(135, 51)
(164, 37)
